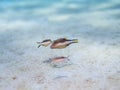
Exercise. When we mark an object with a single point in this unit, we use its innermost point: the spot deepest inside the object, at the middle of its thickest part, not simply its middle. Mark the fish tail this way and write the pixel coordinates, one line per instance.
(75, 40)
(39, 46)
(38, 42)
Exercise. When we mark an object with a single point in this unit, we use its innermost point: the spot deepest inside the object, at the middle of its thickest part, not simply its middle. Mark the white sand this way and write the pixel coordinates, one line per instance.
(96, 58)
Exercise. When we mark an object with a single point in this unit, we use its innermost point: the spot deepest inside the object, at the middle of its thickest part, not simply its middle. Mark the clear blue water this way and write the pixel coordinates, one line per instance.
(95, 23)
(27, 9)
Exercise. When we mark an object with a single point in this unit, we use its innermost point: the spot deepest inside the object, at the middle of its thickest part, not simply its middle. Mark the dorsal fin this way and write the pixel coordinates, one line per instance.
(46, 40)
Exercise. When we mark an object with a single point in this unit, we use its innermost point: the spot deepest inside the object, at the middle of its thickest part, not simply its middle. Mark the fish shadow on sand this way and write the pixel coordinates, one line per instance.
(58, 62)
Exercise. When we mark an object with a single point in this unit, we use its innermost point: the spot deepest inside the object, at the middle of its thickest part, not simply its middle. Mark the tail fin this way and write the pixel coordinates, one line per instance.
(39, 46)
(75, 40)
(38, 42)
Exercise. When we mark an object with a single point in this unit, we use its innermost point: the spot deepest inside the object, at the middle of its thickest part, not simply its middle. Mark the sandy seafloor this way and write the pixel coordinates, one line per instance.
(95, 59)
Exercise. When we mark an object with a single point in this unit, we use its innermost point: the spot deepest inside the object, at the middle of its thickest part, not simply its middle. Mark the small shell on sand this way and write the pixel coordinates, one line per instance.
(58, 61)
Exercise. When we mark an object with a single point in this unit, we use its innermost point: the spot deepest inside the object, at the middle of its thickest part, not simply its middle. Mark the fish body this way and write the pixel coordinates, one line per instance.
(44, 43)
(62, 43)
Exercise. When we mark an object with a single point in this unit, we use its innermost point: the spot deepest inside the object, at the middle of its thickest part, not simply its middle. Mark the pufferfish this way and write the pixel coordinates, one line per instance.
(45, 43)
(62, 43)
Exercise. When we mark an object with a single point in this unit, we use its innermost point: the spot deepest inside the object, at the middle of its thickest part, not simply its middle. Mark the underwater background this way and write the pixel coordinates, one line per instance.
(95, 59)
(93, 12)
